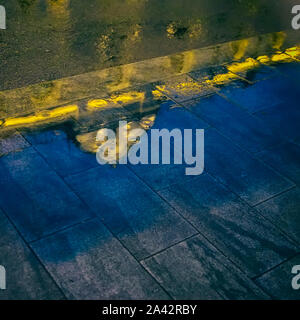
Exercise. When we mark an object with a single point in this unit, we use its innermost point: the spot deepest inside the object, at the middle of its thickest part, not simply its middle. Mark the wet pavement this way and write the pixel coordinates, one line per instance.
(73, 229)
(51, 39)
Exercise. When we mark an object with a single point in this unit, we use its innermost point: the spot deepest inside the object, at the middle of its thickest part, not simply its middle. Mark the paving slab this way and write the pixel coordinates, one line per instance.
(89, 263)
(285, 159)
(284, 118)
(243, 235)
(258, 73)
(170, 116)
(214, 75)
(140, 101)
(26, 278)
(173, 116)
(283, 211)
(12, 142)
(291, 70)
(194, 269)
(99, 111)
(249, 178)
(60, 152)
(35, 197)
(278, 282)
(133, 212)
(245, 130)
(241, 172)
(249, 71)
(184, 87)
(264, 94)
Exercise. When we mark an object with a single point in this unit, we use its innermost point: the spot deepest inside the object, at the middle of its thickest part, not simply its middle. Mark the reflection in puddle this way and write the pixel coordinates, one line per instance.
(49, 94)
(41, 117)
(89, 143)
(128, 97)
(139, 106)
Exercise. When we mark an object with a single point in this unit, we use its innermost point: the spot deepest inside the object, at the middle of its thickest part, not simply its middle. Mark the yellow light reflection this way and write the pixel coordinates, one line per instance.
(88, 141)
(184, 88)
(97, 103)
(294, 52)
(221, 79)
(43, 116)
(242, 46)
(49, 93)
(263, 59)
(114, 99)
(279, 38)
(281, 57)
(246, 65)
(128, 97)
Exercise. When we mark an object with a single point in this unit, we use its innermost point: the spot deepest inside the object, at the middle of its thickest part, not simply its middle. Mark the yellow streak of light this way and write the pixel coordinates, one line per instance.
(293, 52)
(263, 59)
(157, 95)
(220, 79)
(184, 88)
(123, 98)
(41, 116)
(280, 57)
(97, 103)
(246, 65)
(128, 97)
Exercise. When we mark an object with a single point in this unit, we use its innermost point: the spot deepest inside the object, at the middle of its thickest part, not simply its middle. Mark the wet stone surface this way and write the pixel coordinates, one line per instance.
(76, 37)
(283, 211)
(26, 278)
(142, 231)
(87, 262)
(194, 269)
(230, 224)
(278, 282)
